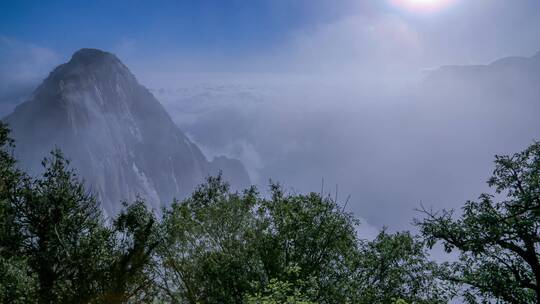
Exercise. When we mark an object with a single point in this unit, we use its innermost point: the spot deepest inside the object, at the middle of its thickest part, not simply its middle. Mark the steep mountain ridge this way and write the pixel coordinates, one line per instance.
(118, 136)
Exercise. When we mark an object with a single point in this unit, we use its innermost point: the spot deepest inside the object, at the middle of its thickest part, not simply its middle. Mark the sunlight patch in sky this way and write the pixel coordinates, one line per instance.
(423, 6)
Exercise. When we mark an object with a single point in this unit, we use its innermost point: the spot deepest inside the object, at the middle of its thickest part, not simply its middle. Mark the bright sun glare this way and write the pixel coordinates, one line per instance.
(422, 6)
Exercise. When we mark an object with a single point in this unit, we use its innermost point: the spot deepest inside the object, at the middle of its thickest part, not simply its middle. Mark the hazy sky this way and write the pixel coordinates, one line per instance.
(314, 99)
(354, 40)
(276, 35)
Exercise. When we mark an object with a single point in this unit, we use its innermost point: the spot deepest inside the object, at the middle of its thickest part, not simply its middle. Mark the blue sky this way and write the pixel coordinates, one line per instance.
(201, 25)
(266, 36)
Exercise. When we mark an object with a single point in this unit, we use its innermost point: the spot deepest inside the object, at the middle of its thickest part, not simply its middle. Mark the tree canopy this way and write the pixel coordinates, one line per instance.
(497, 235)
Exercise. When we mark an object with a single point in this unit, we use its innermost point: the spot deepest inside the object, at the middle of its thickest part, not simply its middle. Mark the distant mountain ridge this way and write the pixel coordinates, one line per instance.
(118, 136)
(502, 69)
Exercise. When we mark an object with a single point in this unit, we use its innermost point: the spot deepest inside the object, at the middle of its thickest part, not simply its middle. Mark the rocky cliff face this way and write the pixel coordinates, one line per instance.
(117, 135)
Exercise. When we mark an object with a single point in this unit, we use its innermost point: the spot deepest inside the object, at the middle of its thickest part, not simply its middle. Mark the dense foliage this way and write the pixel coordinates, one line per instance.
(223, 247)
(55, 246)
(498, 235)
(220, 246)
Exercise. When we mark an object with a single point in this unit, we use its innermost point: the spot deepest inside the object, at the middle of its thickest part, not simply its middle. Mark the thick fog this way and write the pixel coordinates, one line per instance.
(391, 151)
(361, 103)
(356, 104)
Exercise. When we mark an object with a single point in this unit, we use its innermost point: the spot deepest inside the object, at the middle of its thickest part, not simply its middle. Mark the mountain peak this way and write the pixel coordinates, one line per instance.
(118, 136)
(87, 63)
(88, 56)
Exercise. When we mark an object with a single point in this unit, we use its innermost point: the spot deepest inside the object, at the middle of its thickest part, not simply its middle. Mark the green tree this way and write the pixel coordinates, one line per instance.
(316, 235)
(219, 245)
(396, 266)
(206, 254)
(63, 234)
(55, 246)
(224, 247)
(498, 235)
(280, 292)
(17, 284)
(10, 188)
(131, 273)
